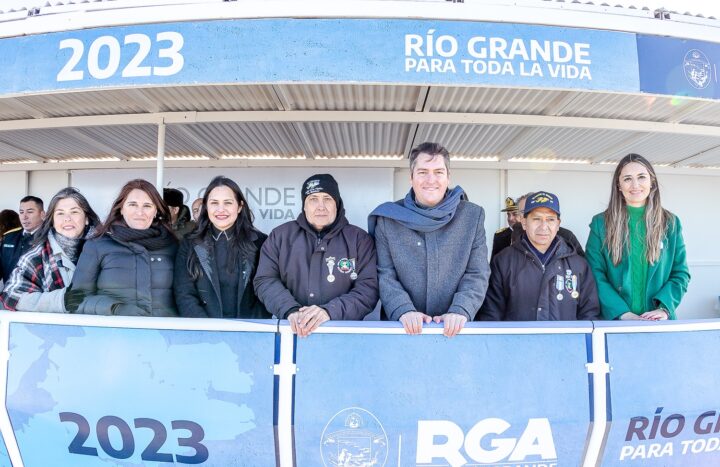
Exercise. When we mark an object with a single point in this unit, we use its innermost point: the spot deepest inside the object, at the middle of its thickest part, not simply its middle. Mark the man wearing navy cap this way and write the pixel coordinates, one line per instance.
(541, 277)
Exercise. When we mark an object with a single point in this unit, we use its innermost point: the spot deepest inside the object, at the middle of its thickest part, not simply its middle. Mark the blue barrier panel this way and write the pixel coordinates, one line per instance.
(390, 399)
(321, 50)
(4, 458)
(88, 396)
(679, 67)
(665, 398)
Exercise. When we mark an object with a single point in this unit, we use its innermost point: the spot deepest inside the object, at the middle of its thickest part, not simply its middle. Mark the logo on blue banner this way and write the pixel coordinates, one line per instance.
(697, 69)
(444, 439)
(354, 437)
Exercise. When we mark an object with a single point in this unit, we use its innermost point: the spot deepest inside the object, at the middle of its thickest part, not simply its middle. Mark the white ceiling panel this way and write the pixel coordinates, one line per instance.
(469, 140)
(623, 106)
(50, 143)
(356, 139)
(212, 98)
(491, 100)
(710, 157)
(250, 139)
(667, 149)
(564, 143)
(349, 97)
(128, 140)
(707, 115)
(72, 104)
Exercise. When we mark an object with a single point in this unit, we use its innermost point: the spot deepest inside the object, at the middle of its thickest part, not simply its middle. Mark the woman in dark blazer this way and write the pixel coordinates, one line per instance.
(128, 269)
(216, 263)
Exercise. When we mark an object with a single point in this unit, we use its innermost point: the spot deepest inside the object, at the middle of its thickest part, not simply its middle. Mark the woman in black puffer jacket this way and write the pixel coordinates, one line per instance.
(128, 268)
(216, 264)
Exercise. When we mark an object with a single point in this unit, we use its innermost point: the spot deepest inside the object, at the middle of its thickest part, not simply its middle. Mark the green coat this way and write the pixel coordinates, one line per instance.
(667, 279)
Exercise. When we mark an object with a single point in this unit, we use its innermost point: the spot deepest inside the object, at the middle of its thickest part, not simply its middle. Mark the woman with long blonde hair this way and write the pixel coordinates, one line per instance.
(636, 249)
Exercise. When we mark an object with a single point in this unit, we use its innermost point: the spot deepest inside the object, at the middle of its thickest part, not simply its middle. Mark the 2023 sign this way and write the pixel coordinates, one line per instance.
(111, 51)
(151, 453)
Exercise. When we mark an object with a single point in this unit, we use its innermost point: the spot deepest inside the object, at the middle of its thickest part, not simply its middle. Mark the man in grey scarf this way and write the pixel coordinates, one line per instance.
(432, 256)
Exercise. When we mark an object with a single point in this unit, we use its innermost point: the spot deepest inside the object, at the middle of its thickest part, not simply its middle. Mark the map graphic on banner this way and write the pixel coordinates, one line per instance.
(4, 457)
(86, 396)
(388, 400)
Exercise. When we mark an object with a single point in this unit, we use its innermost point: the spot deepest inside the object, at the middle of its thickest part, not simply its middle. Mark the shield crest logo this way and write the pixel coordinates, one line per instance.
(354, 437)
(697, 69)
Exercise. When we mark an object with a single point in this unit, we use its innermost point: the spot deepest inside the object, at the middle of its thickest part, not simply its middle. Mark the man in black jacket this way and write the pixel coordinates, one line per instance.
(541, 277)
(318, 267)
(16, 243)
(517, 231)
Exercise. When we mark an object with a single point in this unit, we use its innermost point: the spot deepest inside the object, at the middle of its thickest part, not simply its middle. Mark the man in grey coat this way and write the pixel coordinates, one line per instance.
(432, 256)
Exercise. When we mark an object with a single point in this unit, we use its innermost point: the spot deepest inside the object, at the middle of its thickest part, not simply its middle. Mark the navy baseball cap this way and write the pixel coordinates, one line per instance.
(542, 199)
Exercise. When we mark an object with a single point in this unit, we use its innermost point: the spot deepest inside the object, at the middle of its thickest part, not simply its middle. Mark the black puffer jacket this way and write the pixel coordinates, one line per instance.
(521, 289)
(201, 298)
(14, 245)
(124, 275)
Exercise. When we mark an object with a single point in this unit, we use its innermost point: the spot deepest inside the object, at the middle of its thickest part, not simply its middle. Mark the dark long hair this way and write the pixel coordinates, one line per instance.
(242, 233)
(657, 219)
(9, 220)
(162, 218)
(72, 193)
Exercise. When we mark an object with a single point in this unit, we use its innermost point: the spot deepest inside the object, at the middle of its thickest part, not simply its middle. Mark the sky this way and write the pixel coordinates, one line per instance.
(704, 7)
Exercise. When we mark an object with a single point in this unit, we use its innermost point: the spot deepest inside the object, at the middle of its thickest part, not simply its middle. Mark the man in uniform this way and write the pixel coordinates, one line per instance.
(503, 236)
(432, 256)
(540, 277)
(16, 243)
(319, 266)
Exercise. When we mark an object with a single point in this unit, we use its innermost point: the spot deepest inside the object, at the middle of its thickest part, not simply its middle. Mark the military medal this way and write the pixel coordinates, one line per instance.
(353, 274)
(347, 265)
(559, 287)
(575, 293)
(344, 266)
(330, 262)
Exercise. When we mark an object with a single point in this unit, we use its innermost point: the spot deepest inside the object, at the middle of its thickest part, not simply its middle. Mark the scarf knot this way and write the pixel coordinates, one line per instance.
(416, 217)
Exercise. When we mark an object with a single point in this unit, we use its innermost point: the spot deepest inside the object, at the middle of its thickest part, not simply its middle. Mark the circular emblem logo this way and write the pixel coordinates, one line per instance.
(354, 437)
(697, 69)
(345, 266)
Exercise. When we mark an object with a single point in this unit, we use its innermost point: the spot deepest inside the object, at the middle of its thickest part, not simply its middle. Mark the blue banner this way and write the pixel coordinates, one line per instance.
(321, 50)
(4, 457)
(88, 396)
(665, 402)
(419, 401)
(678, 67)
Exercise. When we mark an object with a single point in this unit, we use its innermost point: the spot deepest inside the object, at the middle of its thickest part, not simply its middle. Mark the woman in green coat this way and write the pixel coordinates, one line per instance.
(635, 248)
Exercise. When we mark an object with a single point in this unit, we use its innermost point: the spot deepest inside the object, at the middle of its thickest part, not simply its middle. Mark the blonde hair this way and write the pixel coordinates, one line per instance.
(657, 219)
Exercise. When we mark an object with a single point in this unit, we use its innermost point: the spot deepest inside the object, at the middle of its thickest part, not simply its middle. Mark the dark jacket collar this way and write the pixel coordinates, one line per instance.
(562, 249)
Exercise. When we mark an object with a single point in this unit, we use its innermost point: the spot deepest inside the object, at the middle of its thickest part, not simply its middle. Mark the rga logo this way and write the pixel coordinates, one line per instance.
(354, 437)
(443, 439)
(697, 69)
